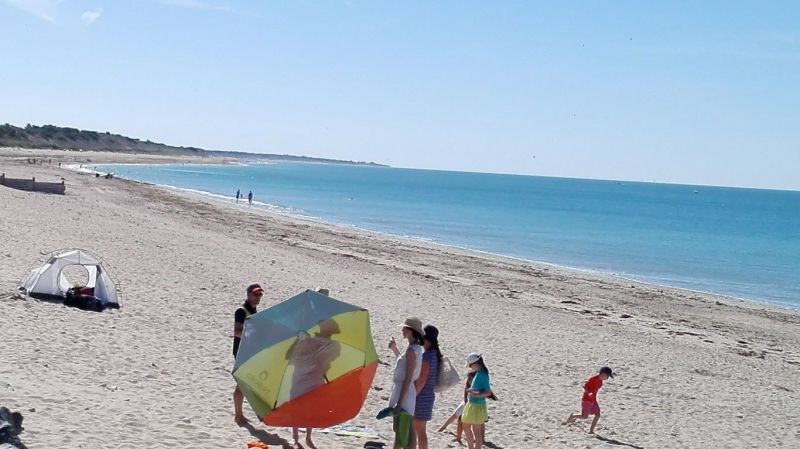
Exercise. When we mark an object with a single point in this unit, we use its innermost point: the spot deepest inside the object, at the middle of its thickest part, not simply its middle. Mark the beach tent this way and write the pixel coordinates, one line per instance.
(48, 282)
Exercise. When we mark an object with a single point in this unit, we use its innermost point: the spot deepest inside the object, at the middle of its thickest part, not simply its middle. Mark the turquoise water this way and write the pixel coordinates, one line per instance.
(739, 242)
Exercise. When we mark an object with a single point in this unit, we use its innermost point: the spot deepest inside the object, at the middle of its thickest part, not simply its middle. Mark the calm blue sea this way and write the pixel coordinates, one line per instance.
(739, 242)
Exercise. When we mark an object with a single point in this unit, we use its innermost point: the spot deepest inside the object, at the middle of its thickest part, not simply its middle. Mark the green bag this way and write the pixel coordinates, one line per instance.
(402, 429)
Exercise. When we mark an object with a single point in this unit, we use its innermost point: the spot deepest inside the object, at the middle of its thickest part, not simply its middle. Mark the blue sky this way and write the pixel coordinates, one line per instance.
(689, 92)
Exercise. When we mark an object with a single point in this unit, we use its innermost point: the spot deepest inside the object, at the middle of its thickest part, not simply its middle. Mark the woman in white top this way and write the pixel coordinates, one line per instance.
(406, 371)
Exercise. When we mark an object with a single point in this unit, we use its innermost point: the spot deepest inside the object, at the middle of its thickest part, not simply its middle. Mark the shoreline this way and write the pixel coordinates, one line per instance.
(287, 212)
(693, 370)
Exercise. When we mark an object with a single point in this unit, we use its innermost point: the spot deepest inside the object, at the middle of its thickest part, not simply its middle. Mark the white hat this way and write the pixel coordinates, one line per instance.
(472, 358)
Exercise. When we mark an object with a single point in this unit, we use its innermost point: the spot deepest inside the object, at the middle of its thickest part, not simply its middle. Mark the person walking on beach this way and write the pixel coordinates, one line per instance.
(250, 307)
(589, 405)
(238, 195)
(407, 368)
(250, 197)
(428, 375)
(474, 416)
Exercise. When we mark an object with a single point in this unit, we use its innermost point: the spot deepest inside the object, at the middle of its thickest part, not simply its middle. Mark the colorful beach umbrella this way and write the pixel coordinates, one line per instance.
(306, 362)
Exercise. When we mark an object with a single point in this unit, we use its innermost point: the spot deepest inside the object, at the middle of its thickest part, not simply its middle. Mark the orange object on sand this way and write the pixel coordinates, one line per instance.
(257, 444)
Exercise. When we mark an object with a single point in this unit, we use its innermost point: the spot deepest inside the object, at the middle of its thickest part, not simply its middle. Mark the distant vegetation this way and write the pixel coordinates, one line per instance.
(60, 138)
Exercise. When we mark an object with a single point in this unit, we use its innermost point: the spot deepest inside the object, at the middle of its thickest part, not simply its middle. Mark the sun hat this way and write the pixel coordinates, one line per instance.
(254, 288)
(473, 358)
(431, 334)
(607, 371)
(414, 324)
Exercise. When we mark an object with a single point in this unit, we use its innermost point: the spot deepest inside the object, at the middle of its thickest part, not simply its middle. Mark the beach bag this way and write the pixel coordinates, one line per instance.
(448, 376)
(401, 424)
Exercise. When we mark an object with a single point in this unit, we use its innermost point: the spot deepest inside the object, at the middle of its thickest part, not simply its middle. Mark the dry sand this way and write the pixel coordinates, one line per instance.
(694, 370)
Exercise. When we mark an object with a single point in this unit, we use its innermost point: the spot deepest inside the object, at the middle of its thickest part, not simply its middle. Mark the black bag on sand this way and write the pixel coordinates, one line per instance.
(10, 427)
(84, 302)
(72, 297)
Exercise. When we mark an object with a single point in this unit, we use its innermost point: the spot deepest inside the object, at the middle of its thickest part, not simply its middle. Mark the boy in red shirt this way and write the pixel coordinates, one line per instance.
(589, 405)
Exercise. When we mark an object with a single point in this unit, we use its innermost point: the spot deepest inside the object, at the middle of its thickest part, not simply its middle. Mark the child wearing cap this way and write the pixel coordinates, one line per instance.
(475, 414)
(456, 415)
(589, 405)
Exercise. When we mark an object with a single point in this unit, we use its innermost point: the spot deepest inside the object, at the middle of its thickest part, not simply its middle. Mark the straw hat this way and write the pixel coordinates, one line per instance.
(415, 324)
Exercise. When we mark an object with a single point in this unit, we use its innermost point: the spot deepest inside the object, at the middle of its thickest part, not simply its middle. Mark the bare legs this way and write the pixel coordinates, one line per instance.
(459, 432)
(459, 427)
(573, 417)
(238, 399)
(474, 434)
(594, 423)
(421, 428)
(296, 435)
(449, 421)
(469, 435)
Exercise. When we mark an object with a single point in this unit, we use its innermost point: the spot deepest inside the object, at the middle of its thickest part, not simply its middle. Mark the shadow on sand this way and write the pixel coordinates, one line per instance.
(267, 438)
(617, 442)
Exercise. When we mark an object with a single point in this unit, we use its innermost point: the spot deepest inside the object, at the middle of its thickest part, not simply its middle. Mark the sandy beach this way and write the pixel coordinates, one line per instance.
(694, 370)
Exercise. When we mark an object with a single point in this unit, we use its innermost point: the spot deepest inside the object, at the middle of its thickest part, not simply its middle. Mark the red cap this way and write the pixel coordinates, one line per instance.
(255, 288)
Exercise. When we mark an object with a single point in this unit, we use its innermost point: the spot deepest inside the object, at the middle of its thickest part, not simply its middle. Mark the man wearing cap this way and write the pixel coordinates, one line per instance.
(254, 294)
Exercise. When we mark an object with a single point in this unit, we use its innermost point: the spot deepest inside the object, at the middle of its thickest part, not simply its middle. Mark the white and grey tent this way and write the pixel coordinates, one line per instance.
(48, 281)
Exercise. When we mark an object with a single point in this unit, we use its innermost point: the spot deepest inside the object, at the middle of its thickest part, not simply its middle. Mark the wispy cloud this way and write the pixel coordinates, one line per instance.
(43, 9)
(198, 4)
(90, 17)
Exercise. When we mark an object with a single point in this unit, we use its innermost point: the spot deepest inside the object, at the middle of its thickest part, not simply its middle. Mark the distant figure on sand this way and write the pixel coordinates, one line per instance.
(403, 399)
(250, 307)
(238, 195)
(589, 405)
(475, 415)
(429, 373)
(250, 197)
